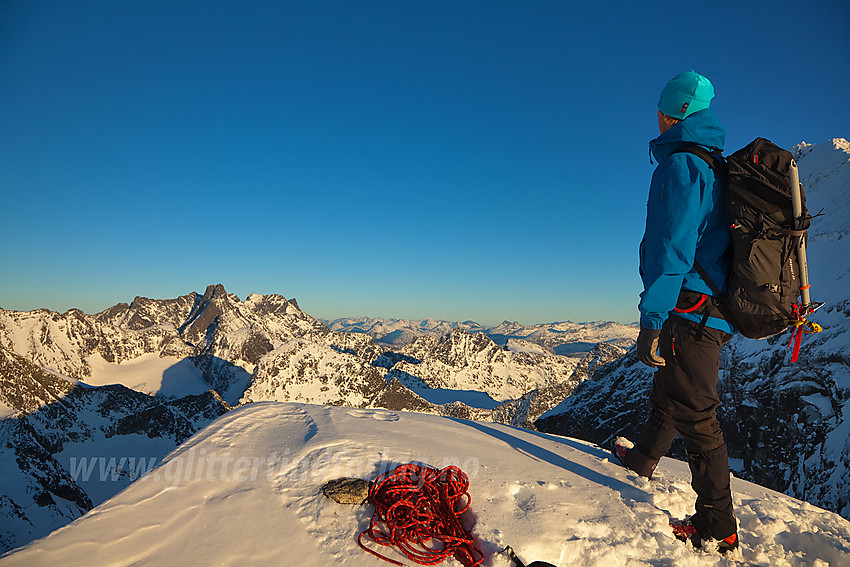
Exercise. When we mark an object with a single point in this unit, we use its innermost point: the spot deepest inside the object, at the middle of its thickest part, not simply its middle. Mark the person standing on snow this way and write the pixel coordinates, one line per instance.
(687, 231)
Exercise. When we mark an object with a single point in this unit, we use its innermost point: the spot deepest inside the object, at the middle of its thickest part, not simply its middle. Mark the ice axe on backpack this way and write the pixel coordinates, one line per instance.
(806, 306)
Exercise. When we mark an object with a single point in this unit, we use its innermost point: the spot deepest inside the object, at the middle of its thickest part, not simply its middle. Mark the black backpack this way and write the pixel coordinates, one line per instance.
(764, 283)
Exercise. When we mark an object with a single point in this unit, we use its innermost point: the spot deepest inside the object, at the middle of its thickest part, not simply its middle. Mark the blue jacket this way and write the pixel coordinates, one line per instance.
(686, 220)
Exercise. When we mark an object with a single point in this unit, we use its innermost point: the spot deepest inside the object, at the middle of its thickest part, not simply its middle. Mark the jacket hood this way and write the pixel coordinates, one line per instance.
(700, 128)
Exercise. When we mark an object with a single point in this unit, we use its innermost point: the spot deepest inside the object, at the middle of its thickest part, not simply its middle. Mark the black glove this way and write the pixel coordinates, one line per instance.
(647, 346)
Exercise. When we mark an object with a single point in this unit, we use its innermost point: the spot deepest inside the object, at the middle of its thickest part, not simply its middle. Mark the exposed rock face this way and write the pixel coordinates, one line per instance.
(39, 495)
(354, 491)
(25, 387)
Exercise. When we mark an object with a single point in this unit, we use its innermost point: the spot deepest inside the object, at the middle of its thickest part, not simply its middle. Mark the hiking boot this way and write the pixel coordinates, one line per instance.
(620, 446)
(728, 544)
(631, 457)
(685, 531)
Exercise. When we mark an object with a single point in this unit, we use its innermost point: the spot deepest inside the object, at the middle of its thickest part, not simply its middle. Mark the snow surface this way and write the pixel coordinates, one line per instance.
(520, 345)
(150, 373)
(471, 398)
(246, 491)
(6, 411)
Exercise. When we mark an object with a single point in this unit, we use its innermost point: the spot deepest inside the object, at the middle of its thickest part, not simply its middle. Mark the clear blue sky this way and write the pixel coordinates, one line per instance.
(480, 160)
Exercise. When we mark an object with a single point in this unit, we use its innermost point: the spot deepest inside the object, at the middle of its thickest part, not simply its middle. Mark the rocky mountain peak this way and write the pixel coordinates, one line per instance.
(25, 387)
(209, 310)
(215, 293)
(456, 347)
(215, 290)
(271, 304)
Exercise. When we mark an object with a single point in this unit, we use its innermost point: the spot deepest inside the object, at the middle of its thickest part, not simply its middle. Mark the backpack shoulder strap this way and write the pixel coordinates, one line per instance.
(712, 156)
(707, 279)
(714, 159)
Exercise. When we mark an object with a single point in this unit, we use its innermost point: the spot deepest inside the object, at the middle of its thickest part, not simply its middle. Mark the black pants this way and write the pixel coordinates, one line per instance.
(684, 400)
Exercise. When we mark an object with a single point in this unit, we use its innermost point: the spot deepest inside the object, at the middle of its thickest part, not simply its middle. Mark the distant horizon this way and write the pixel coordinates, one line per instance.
(483, 160)
(485, 324)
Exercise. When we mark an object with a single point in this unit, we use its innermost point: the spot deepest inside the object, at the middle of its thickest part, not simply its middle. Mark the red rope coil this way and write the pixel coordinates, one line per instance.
(417, 510)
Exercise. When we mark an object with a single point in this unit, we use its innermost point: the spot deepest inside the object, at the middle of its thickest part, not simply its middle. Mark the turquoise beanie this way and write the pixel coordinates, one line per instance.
(685, 94)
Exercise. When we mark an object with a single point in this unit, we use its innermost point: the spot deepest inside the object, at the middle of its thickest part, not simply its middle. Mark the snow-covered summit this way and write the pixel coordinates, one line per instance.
(246, 491)
(825, 175)
(828, 155)
(399, 332)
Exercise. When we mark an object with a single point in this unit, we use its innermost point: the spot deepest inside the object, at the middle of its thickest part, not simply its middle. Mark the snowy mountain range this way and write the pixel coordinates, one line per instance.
(787, 425)
(563, 337)
(90, 402)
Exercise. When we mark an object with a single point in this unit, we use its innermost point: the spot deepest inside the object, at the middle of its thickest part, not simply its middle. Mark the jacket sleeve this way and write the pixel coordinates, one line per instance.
(669, 243)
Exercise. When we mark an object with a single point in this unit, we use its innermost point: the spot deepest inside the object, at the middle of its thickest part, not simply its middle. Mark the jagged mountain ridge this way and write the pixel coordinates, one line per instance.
(399, 332)
(787, 425)
(226, 339)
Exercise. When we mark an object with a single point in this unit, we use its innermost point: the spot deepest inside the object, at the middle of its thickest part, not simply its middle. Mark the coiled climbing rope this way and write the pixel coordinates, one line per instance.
(417, 510)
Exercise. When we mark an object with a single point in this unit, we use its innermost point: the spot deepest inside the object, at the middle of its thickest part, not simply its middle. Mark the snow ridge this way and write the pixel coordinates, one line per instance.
(251, 481)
